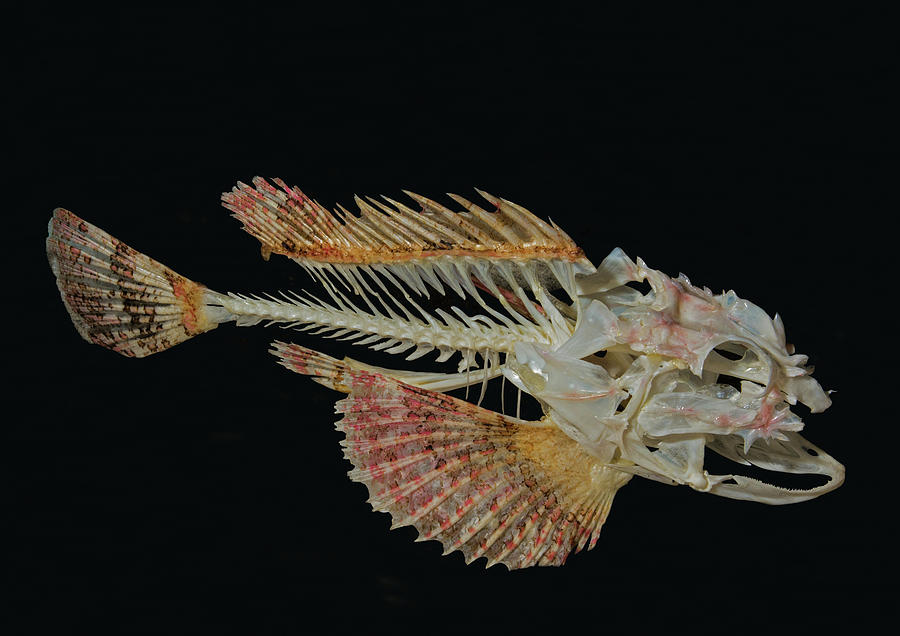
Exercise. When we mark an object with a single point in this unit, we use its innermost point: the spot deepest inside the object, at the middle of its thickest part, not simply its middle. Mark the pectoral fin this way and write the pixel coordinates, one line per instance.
(515, 492)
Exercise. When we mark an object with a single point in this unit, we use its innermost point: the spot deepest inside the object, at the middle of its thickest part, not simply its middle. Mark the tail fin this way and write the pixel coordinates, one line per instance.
(119, 298)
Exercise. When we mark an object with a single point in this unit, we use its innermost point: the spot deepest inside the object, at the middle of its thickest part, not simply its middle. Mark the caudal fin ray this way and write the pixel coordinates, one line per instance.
(118, 297)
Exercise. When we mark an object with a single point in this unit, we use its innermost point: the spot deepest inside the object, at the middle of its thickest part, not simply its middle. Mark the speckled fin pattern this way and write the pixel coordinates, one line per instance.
(515, 492)
(117, 297)
(288, 222)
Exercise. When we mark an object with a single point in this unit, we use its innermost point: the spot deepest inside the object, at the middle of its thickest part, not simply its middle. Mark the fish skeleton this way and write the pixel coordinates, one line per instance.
(630, 382)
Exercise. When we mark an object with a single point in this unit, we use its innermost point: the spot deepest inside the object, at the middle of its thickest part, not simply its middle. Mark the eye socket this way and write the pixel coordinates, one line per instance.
(731, 352)
(734, 362)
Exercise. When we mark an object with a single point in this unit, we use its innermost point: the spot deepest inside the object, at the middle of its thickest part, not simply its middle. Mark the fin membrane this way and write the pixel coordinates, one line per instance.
(117, 297)
(518, 493)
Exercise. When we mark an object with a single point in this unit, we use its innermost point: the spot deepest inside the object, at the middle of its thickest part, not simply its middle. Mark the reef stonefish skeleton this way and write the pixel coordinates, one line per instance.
(630, 382)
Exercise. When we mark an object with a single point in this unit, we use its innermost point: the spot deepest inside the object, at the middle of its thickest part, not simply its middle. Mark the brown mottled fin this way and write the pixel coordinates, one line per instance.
(515, 492)
(117, 297)
(288, 222)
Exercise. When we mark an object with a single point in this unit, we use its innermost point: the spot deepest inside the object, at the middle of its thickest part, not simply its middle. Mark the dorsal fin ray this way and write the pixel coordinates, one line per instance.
(288, 222)
(466, 250)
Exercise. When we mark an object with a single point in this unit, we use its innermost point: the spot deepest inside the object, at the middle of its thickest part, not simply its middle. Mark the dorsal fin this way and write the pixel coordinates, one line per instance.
(288, 222)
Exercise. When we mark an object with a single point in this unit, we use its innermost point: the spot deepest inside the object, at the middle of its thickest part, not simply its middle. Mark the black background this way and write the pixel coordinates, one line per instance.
(203, 489)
